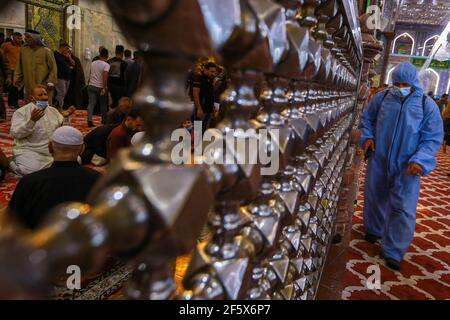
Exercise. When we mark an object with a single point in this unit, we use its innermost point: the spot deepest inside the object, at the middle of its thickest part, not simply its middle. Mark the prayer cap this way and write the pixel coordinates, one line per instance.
(68, 136)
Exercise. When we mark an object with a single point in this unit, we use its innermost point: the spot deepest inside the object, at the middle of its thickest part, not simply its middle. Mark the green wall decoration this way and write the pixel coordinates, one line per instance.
(419, 62)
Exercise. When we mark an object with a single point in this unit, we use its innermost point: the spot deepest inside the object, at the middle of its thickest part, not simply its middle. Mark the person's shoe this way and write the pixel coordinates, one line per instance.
(371, 238)
(393, 264)
(90, 124)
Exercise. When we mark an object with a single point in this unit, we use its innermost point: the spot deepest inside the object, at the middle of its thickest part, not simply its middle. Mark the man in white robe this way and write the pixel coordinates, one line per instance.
(32, 126)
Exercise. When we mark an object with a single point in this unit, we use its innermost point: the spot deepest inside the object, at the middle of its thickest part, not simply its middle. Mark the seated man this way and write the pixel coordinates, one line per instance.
(32, 127)
(121, 136)
(96, 143)
(118, 115)
(64, 181)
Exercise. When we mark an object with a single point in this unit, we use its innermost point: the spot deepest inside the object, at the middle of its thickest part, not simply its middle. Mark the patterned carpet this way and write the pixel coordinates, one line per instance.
(425, 271)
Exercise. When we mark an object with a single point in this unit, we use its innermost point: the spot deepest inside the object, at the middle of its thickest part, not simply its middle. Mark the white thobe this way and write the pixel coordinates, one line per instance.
(30, 150)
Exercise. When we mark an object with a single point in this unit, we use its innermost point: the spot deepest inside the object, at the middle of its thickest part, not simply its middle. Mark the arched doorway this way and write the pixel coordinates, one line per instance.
(403, 44)
(430, 81)
(428, 45)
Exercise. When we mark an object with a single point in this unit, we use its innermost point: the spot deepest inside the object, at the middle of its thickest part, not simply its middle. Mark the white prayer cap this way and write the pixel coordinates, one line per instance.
(68, 136)
(137, 138)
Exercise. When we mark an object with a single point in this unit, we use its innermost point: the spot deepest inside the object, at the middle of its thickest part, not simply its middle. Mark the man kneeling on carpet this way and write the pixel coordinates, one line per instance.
(65, 181)
(401, 133)
(31, 127)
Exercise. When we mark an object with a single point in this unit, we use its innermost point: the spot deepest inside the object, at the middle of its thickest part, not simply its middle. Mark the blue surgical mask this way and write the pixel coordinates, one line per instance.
(402, 92)
(42, 104)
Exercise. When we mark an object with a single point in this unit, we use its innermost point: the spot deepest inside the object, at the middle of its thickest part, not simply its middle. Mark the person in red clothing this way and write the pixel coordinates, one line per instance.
(121, 136)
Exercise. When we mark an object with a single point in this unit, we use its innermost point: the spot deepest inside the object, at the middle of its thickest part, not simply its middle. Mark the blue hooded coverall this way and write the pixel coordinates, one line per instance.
(404, 133)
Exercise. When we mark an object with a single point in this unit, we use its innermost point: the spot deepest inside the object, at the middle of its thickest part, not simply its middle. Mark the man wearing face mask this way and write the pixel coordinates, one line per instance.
(37, 193)
(402, 132)
(32, 127)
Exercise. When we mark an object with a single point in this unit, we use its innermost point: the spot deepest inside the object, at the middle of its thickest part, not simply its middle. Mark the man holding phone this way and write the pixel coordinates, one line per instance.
(401, 134)
(32, 127)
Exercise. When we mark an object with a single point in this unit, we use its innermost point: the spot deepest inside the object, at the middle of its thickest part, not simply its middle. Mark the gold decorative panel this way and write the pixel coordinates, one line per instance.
(48, 17)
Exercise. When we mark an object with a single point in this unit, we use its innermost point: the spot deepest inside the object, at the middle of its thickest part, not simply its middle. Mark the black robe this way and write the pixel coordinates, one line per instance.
(77, 94)
(39, 192)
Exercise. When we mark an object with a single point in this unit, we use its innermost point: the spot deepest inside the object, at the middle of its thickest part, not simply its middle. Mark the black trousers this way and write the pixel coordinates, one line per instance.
(447, 131)
(88, 154)
(117, 92)
(2, 107)
(13, 97)
(205, 122)
(14, 94)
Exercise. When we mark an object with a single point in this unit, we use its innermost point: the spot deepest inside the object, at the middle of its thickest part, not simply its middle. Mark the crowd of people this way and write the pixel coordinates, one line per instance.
(47, 151)
(25, 61)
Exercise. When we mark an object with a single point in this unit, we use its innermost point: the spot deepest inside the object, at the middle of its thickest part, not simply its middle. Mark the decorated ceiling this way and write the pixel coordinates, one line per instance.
(427, 12)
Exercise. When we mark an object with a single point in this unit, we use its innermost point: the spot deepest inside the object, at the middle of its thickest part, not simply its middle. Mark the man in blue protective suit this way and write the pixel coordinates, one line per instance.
(402, 132)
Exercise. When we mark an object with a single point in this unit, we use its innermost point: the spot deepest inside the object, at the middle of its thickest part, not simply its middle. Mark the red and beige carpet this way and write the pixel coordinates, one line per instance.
(425, 272)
